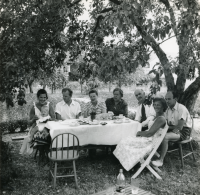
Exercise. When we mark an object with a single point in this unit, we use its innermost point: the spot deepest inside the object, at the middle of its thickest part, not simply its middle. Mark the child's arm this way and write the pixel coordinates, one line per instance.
(32, 116)
(52, 113)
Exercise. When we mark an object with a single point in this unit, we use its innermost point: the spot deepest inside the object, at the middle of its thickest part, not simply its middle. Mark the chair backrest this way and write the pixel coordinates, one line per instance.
(157, 139)
(65, 145)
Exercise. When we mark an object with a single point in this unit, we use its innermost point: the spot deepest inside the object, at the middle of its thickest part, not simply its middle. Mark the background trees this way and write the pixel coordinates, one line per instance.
(31, 39)
(153, 22)
(37, 34)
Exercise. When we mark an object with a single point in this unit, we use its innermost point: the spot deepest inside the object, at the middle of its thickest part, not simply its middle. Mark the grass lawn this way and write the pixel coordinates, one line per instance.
(97, 175)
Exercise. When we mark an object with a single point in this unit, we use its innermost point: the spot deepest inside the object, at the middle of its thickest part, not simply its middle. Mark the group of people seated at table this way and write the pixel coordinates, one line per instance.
(151, 116)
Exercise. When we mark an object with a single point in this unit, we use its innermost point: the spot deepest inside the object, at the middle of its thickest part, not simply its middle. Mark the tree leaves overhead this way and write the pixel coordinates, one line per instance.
(31, 38)
(37, 34)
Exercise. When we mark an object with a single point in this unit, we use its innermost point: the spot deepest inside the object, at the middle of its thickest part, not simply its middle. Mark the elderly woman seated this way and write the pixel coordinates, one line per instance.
(116, 104)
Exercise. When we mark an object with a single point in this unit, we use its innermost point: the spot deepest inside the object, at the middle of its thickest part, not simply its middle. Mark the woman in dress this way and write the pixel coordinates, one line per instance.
(130, 149)
(40, 112)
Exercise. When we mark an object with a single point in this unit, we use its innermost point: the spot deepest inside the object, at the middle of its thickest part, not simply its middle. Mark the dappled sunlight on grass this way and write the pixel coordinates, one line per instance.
(96, 175)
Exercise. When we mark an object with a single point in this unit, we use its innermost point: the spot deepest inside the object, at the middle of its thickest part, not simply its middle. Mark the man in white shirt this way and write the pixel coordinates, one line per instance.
(67, 108)
(144, 112)
(179, 122)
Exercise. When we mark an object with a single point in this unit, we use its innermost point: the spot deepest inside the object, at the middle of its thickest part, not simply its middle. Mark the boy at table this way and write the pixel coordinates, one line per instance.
(67, 108)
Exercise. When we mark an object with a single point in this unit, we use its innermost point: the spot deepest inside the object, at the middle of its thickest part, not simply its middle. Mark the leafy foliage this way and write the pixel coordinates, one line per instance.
(47, 29)
(31, 39)
(179, 19)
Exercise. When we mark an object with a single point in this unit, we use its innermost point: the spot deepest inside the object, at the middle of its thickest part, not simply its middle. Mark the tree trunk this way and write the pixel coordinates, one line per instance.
(160, 54)
(30, 82)
(109, 86)
(181, 72)
(190, 95)
(81, 86)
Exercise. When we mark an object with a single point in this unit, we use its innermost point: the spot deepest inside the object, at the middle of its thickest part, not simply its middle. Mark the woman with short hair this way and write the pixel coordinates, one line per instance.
(40, 112)
(94, 105)
(117, 105)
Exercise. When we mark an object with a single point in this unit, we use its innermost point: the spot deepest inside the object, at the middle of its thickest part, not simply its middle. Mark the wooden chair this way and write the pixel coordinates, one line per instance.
(146, 160)
(64, 147)
(180, 149)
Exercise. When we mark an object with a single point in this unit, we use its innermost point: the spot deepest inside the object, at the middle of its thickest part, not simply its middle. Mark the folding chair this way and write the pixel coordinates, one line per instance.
(64, 147)
(145, 161)
(180, 149)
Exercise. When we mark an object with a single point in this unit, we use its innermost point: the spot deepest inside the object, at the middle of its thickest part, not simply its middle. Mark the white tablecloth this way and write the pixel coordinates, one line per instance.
(109, 134)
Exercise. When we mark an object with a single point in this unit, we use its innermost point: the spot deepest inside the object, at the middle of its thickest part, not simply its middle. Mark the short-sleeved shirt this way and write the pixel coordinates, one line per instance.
(98, 109)
(177, 113)
(68, 111)
(120, 108)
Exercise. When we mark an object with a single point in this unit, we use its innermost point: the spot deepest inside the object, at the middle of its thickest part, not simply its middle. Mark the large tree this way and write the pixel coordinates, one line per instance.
(30, 28)
(31, 38)
(154, 22)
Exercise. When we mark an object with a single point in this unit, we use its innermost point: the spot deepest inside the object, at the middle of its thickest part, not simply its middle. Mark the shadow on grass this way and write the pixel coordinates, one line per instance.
(95, 175)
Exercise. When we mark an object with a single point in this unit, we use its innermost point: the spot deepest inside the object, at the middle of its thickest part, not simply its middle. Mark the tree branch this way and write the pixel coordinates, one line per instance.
(160, 54)
(74, 3)
(172, 16)
(105, 11)
(39, 8)
(116, 2)
(163, 42)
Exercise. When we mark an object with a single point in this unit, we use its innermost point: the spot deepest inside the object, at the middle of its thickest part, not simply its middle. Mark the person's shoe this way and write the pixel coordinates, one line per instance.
(157, 163)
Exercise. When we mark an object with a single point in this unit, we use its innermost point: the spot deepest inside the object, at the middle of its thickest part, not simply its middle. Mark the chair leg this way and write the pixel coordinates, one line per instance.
(35, 154)
(75, 176)
(50, 166)
(181, 155)
(191, 148)
(54, 177)
(154, 172)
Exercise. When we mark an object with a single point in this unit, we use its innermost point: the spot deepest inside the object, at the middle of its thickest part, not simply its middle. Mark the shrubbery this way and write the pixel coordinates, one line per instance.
(11, 126)
(7, 169)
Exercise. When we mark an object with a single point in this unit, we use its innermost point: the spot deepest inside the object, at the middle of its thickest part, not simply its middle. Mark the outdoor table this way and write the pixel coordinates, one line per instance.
(127, 192)
(109, 134)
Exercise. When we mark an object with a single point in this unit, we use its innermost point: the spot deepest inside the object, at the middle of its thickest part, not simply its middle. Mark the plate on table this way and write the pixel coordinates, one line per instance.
(74, 124)
(127, 121)
(94, 123)
(118, 121)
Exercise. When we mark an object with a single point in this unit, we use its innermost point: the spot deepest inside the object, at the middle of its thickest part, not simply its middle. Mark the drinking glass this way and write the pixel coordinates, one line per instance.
(121, 116)
(81, 117)
(134, 186)
(110, 191)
